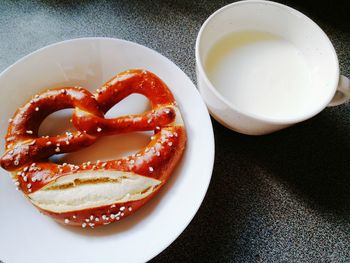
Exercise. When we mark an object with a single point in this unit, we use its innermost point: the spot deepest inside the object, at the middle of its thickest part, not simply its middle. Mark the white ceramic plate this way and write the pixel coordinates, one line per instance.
(28, 236)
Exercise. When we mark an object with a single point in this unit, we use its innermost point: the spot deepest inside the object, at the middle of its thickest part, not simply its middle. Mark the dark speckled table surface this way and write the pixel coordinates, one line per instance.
(284, 197)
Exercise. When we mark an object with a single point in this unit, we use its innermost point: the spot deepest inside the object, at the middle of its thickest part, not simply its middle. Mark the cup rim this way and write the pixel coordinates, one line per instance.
(273, 120)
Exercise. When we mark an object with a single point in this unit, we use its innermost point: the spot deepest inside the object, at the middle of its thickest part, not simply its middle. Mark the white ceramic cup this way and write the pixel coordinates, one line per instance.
(289, 24)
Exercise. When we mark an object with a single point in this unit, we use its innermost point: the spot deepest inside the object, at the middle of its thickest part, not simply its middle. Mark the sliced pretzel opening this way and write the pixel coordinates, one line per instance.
(81, 181)
(93, 189)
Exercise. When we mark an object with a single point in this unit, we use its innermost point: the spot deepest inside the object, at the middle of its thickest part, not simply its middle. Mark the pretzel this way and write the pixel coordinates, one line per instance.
(22, 143)
(94, 194)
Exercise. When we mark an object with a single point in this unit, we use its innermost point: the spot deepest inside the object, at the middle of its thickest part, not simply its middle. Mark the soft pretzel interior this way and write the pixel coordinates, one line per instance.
(92, 189)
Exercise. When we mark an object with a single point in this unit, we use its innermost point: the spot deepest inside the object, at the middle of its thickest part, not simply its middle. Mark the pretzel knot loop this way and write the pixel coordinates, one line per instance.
(93, 194)
(22, 143)
(121, 86)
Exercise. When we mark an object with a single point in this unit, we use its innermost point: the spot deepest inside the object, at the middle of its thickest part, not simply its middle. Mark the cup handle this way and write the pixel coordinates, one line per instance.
(342, 94)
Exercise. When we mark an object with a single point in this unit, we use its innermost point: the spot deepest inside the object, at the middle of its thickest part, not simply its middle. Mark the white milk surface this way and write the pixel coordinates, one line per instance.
(260, 73)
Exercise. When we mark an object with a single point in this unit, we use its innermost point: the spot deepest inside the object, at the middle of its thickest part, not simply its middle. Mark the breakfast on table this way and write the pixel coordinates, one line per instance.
(140, 140)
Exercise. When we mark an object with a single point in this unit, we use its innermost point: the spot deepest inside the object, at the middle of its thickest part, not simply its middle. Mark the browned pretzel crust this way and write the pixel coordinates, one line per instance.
(22, 143)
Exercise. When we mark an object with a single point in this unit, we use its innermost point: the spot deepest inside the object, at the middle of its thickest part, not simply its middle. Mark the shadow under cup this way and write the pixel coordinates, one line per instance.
(284, 22)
